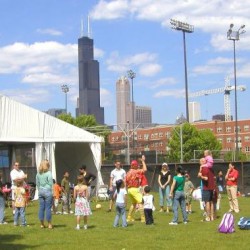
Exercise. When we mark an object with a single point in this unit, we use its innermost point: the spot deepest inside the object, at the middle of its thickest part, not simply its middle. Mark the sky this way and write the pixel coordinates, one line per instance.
(38, 52)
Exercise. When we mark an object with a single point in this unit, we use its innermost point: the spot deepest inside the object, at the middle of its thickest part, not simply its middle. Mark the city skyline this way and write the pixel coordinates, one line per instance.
(38, 53)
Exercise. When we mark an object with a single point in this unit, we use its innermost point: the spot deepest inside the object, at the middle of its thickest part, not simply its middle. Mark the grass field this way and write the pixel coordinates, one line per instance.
(102, 235)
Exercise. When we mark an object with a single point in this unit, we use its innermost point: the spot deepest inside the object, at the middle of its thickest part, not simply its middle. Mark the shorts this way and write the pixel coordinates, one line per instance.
(207, 195)
(111, 193)
(135, 195)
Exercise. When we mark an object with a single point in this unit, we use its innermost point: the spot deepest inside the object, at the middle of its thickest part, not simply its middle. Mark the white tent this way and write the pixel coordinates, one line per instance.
(66, 147)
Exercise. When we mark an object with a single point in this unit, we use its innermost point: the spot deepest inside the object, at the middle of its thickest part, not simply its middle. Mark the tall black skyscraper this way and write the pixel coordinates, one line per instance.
(89, 81)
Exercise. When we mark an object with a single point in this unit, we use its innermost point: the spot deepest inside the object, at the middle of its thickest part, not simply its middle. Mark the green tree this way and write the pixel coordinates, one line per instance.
(67, 118)
(85, 121)
(192, 139)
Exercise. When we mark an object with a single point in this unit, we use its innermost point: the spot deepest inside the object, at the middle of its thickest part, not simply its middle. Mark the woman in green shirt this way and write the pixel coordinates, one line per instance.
(44, 182)
(177, 192)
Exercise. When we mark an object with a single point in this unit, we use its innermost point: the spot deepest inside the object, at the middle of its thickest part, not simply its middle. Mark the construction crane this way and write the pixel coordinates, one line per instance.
(226, 90)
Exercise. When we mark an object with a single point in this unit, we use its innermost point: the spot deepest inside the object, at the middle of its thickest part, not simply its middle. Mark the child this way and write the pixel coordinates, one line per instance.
(148, 205)
(121, 200)
(20, 203)
(209, 161)
(188, 189)
(56, 196)
(82, 207)
(220, 181)
(2, 202)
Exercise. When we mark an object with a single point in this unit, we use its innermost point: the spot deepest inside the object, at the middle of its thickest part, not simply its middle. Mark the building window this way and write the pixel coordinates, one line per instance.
(139, 137)
(246, 128)
(228, 129)
(160, 134)
(152, 136)
(229, 139)
(247, 138)
(168, 134)
(219, 129)
(220, 140)
(239, 130)
(247, 149)
(146, 136)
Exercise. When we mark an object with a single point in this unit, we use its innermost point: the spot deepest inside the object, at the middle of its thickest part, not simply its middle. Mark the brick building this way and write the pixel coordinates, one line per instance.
(156, 138)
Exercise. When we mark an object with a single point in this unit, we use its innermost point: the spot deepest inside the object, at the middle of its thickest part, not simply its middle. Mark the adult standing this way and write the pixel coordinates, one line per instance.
(177, 192)
(232, 187)
(116, 174)
(16, 175)
(88, 178)
(133, 182)
(164, 187)
(44, 182)
(208, 186)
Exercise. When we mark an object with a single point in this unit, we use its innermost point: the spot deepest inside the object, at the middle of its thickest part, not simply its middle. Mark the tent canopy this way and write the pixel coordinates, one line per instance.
(66, 147)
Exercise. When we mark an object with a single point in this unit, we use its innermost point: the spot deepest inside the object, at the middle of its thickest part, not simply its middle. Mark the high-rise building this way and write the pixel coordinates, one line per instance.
(194, 111)
(143, 116)
(89, 81)
(123, 106)
(55, 112)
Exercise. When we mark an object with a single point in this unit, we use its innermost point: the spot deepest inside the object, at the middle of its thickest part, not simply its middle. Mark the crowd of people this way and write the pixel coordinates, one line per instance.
(174, 192)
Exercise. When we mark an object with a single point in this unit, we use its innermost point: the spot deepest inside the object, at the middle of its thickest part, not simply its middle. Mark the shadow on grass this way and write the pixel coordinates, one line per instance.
(7, 242)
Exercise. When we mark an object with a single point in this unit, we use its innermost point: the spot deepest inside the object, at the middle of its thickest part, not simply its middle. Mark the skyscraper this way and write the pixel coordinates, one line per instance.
(89, 81)
(123, 107)
(194, 111)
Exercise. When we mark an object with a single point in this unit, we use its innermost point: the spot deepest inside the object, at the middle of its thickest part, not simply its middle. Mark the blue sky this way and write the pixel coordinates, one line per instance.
(38, 52)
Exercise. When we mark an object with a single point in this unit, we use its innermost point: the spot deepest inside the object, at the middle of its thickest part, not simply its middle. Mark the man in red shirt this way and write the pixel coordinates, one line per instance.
(231, 185)
(208, 185)
(133, 182)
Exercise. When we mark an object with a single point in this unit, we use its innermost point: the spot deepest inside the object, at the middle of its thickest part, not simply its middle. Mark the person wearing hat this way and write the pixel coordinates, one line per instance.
(133, 182)
(164, 180)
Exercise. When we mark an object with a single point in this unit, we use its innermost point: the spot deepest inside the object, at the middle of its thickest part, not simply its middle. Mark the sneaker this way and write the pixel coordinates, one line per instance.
(77, 228)
(71, 212)
(185, 222)
(161, 210)
(130, 219)
(85, 227)
(3, 223)
(173, 223)
(58, 212)
(65, 213)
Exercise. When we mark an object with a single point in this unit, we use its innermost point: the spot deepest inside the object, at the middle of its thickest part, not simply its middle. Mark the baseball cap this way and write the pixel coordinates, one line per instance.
(134, 163)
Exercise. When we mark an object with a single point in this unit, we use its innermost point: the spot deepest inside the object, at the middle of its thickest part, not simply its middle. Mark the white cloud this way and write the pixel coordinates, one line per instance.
(51, 32)
(163, 82)
(146, 62)
(177, 93)
(106, 98)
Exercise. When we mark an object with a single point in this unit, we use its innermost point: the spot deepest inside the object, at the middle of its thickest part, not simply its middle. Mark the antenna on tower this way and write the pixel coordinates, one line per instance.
(89, 31)
(81, 32)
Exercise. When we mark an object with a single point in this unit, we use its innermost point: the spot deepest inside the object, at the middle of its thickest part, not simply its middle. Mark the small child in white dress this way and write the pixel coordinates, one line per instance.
(82, 207)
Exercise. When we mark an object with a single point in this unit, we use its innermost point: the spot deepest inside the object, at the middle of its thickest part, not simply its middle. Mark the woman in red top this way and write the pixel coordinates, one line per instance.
(231, 185)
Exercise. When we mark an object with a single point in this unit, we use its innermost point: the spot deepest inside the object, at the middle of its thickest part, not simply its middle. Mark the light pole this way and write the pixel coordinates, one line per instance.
(65, 89)
(132, 75)
(185, 28)
(235, 36)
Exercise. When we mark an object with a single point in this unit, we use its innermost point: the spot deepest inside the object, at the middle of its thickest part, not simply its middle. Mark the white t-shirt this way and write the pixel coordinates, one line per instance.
(120, 196)
(117, 174)
(148, 201)
(16, 174)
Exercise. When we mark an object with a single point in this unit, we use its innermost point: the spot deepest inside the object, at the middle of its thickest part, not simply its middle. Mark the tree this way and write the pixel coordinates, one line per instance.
(192, 139)
(67, 118)
(85, 121)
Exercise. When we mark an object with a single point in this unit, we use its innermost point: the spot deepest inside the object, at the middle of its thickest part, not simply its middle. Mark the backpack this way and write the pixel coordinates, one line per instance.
(227, 224)
(244, 223)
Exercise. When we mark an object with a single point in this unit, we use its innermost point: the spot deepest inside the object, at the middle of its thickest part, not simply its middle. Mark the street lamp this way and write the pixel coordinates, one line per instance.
(65, 89)
(235, 36)
(132, 75)
(185, 28)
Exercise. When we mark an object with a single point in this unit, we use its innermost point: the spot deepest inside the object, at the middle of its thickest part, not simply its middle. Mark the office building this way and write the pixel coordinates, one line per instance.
(88, 102)
(194, 111)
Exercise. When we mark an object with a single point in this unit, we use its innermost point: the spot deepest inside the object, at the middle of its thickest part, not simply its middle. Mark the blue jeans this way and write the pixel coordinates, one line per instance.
(45, 204)
(2, 206)
(164, 196)
(179, 198)
(120, 212)
(20, 212)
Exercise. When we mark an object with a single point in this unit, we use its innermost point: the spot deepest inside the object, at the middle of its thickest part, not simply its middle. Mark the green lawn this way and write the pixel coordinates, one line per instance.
(102, 235)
